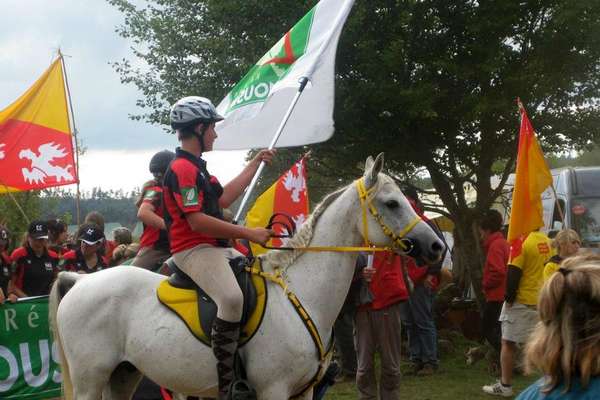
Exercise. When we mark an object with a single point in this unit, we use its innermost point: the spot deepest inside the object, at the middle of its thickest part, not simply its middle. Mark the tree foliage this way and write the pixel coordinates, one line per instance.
(434, 83)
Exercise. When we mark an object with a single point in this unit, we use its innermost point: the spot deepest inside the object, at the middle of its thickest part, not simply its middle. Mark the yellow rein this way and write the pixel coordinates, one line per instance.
(365, 203)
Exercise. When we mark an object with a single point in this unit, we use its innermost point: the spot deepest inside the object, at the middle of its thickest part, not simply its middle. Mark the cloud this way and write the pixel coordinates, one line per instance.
(118, 149)
(128, 170)
(31, 32)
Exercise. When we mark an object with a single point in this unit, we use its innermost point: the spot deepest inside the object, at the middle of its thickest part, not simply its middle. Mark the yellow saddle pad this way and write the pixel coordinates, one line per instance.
(184, 303)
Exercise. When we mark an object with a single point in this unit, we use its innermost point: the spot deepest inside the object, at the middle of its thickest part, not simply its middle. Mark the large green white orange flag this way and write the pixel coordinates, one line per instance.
(288, 195)
(531, 179)
(36, 148)
(255, 107)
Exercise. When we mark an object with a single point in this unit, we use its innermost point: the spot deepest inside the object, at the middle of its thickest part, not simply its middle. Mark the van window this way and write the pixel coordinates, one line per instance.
(588, 181)
(586, 220)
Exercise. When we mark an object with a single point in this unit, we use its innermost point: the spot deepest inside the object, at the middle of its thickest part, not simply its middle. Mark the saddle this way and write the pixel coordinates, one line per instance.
(180, 294)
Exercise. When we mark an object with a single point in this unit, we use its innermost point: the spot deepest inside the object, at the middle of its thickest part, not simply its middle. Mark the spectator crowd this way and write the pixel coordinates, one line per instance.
(541, 295)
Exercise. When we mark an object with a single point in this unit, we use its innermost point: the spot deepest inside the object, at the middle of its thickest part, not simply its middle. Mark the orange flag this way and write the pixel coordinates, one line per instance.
(36, 148)
(288, 195)
(531, 179)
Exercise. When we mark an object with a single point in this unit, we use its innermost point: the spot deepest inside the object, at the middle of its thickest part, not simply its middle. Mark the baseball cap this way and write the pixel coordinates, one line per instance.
(38, 230)
(91, 234)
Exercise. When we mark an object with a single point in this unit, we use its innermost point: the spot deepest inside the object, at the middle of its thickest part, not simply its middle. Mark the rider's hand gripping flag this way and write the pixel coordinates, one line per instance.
(531, 179)
(255, 107)
(288, 195)
(36, 148)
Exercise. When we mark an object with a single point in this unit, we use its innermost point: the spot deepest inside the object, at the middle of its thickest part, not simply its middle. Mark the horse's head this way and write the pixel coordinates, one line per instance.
(388, 219)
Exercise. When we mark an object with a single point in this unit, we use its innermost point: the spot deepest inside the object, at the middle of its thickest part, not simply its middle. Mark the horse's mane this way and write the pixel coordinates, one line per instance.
(284, 258)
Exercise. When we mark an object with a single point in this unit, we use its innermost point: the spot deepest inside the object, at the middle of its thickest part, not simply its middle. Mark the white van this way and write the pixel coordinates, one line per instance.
(578, 193)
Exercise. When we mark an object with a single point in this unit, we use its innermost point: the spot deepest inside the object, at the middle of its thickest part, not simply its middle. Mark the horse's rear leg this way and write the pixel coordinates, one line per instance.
(123, 382)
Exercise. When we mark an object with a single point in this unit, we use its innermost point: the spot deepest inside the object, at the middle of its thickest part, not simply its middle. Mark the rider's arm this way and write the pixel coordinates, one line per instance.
(147, 216)
(214, 227)
(236, 186)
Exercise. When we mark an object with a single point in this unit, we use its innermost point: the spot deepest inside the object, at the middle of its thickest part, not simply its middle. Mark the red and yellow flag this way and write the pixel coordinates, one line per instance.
(288, 195)
(36, 150)
(531, 179)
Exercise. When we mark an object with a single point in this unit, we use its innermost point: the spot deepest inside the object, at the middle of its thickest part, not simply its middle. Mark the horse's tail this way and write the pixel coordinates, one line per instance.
(61, 286)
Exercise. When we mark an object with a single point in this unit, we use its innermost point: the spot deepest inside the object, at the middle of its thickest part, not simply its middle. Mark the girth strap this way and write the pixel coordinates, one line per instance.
(324, 353)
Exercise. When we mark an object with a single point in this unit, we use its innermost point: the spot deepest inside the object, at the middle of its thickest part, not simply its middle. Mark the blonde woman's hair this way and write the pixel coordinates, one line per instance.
(566, 341)
(565, 236)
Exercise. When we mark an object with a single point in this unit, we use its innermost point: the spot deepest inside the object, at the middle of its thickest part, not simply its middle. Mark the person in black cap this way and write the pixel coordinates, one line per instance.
(88, 257)
(5, 268)
(34, 266)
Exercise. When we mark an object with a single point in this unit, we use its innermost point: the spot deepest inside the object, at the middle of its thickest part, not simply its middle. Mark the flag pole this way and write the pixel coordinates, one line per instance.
(337, 23)
(303, 82)
(74, 130)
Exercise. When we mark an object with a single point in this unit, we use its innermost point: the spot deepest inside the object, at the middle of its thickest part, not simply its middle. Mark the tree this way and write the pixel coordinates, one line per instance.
(431, 82)
(11, 214)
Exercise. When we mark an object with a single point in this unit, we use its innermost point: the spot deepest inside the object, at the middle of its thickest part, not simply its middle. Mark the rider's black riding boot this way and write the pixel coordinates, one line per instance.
(225, 337)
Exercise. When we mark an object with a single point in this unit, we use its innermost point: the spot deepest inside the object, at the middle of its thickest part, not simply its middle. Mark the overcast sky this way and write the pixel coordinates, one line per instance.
(118, 149)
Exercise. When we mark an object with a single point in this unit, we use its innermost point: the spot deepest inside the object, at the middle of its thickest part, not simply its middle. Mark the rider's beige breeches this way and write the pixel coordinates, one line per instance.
(209, 267)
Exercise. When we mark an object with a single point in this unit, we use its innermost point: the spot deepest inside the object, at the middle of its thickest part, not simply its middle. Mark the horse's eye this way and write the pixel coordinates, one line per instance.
(392, 204)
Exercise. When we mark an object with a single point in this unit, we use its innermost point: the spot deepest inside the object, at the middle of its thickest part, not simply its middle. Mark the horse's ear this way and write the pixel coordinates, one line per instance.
(372, 169)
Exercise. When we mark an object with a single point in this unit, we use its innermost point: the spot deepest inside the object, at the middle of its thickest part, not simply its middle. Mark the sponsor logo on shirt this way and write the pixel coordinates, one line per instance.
(543, 248)
(190, 196)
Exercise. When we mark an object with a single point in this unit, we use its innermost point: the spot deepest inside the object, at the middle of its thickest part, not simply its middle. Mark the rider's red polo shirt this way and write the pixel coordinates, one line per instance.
(189, 188)
(153, 237)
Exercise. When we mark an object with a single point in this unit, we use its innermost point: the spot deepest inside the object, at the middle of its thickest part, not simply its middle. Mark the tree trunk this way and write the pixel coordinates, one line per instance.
(469, 257)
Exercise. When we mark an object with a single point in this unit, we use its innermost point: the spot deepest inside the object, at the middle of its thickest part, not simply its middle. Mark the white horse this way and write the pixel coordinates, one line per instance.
(111, 328)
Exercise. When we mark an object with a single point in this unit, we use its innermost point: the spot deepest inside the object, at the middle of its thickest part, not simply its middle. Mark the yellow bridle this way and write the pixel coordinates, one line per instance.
(365, 202)
(367, 205)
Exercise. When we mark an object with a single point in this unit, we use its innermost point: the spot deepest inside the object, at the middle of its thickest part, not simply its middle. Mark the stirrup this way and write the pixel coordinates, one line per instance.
(240, 389)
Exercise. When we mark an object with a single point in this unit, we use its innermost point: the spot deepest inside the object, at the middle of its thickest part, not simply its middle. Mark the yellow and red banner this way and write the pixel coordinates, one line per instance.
(288, 195)
(531, 179)
(36, 148)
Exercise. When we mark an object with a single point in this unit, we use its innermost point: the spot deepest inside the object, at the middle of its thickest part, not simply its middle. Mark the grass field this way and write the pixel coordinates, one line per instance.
(454, 380)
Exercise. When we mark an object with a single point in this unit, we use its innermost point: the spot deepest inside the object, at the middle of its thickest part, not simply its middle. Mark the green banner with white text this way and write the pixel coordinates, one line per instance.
(29, 367)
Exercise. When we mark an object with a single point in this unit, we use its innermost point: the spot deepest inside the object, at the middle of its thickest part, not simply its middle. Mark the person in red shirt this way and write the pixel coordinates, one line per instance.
(34, 266)
(88, 257)
(377, 326)
(199, 237)
(154, 243)
(497, 252)
(5, 263)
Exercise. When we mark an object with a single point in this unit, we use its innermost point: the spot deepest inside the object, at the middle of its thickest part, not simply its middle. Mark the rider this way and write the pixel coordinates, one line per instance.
(154, 244)
(193, 200)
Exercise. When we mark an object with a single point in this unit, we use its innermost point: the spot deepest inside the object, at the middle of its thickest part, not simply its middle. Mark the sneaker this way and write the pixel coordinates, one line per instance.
(498, 389)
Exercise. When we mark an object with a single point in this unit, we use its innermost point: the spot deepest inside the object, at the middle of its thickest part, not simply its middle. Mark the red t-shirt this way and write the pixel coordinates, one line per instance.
(497, 252)
(34, 275)
(387, 284)
(154, 237)
(189, 188)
